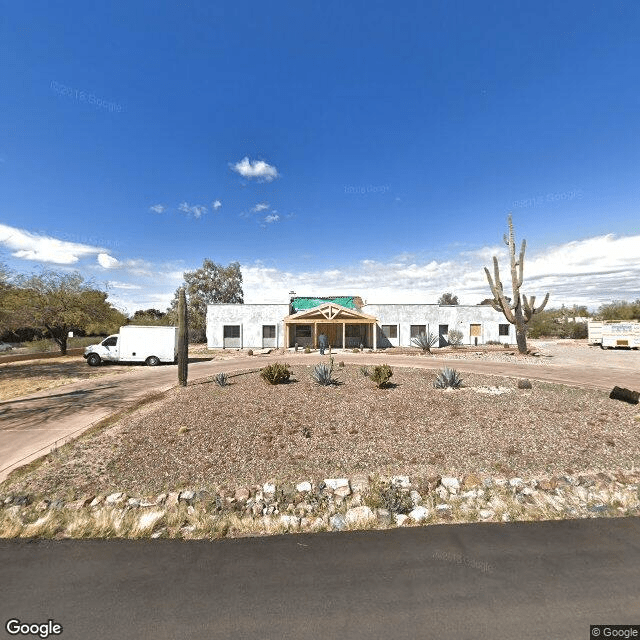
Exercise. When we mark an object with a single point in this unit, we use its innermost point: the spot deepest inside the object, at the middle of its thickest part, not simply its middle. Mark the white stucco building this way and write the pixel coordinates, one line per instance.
(348, 322)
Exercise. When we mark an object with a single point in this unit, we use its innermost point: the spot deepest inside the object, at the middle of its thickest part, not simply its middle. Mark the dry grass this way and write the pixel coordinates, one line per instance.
(207, 436)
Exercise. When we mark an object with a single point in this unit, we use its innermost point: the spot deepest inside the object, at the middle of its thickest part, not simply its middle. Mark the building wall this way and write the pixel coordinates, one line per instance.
(459, 317)
(251, 318)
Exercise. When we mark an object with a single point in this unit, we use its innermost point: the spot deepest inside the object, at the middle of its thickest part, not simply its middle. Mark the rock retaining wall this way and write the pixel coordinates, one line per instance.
(334, 504)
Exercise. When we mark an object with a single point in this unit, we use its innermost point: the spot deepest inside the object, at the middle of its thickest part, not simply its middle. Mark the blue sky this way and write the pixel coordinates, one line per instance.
(358, 148)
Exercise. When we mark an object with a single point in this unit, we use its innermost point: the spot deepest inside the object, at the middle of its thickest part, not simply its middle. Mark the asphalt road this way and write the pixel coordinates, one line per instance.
(547, 580)
(31, 426)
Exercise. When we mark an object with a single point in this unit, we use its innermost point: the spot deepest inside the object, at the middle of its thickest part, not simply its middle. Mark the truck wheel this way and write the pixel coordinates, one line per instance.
(152, 361)
(93, 360)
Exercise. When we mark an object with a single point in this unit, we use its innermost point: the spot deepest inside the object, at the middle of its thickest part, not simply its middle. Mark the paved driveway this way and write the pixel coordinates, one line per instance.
(31, 426)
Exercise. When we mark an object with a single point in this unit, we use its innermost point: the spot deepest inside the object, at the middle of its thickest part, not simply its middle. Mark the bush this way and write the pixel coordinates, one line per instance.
(341, 363)
(275, 373)
(323, 373)
(390, 497)
(250, 352)
(381, 374)
(495, 342)
(425, 341)
(579, 330)
(454, 337)
(506, 345)
(364, 371)
(222, 379)
(524, 384)
(307, 350)
(355, 350)
(448, 378)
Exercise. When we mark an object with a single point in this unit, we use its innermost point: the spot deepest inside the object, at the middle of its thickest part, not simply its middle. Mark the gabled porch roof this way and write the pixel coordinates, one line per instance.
(329, 312)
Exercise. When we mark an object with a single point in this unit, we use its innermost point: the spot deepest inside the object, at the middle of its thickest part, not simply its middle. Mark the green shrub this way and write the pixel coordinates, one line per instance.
(323, 373)
(506, 345)
(454, 337)
(250, 352)
(222, 379)
(307, 350)
(425, 341)
(341, 363)
(448, 378)
(496, 342)
(355, 350)
(275, 373)
(364, 371)
(381, 374)
(524, 384)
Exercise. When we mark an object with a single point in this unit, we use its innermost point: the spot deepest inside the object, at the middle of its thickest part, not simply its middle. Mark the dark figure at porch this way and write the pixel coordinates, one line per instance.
(322, 343)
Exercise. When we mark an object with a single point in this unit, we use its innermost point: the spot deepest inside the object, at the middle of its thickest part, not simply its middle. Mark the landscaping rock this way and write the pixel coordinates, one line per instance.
(337, 522)
(149, 519)
(516, 483)
(471, 481)
(383, 516)
(114, 498)
(400, 518)
(269, 489)
(98, 500)
(401, 481)
(303, 487)
(336, 483)
(416, 498)
(419, 514)
(359, 483)
(359, 515)
(242, 494)
(292, 522)
(132, 503)
(443, 508)
(485, 514)
(451, 484)
(186, 496)
(172, 500)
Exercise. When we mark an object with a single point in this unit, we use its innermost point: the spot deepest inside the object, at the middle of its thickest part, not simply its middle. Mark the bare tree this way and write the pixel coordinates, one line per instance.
(521, 310)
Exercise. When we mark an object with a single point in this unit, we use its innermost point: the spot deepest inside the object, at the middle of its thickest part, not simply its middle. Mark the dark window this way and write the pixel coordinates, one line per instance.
(417, 329)
(303, 330)
(232, 331)
(390, 330)
(503, 329)
(110, 342)
(268, 331)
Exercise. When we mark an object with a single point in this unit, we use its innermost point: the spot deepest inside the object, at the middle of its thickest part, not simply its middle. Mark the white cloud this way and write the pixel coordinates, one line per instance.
(123, 285)
(261, 206)
(257, 169)
(196, 210)
(216, 205)
(42, 248)
(272, 218)
(106, 261)
(158, 208)
(587, 272)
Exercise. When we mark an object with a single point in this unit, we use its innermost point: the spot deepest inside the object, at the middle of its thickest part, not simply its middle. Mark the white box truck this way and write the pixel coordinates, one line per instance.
(135, 343)
(615, 333)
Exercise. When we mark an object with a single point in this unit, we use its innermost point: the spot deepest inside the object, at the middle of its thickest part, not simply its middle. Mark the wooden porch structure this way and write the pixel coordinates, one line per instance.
(344, 328)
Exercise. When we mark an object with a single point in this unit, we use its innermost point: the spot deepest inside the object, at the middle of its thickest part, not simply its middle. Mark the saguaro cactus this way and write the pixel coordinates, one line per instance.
(183, 339)
(520, 311)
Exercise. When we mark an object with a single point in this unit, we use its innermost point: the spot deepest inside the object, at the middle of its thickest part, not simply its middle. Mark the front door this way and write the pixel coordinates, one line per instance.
(442, 333)
(333, 332)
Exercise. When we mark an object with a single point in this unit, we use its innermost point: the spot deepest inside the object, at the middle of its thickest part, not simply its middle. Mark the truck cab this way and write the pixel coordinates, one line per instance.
(106, 351)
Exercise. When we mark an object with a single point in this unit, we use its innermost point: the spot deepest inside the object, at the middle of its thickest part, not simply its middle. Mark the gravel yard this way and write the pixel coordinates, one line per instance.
(206, 436)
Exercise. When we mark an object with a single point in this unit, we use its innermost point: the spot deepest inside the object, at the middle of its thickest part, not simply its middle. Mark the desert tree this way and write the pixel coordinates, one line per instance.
(210, 284)
(58, 302)
(520, 310)
(448, 298)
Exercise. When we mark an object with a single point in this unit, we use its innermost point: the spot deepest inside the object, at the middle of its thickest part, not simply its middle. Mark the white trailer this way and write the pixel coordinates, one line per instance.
(135, 343)
(615, 333)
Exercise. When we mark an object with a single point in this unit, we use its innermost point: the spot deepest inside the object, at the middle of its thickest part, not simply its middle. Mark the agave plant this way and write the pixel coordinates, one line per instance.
(448, 378)
(323, 373)
(222, 379)
(425, 341)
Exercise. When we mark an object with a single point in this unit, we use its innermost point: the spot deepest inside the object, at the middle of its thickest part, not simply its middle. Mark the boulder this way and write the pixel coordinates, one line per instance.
(419, 514)
(451, 484)
(359, 515)
(303, 487)
(337, 522)
(242, 494)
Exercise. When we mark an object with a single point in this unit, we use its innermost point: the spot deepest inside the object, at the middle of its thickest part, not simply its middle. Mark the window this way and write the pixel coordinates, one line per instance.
(303, 331)
(417, 329)
(110, 342)
(353, 331)
(268, 331)
(232, 331)
(390, 330)
(503, 329)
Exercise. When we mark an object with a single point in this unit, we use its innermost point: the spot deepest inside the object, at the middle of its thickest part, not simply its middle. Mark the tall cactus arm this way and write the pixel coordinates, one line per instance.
(529, 308)
(520, 263)
(500, 301)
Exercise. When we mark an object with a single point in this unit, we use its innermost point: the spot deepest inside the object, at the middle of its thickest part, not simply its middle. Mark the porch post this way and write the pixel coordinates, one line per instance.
(375, 336)
(344, 333)
(315, 335)
(286, 335)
